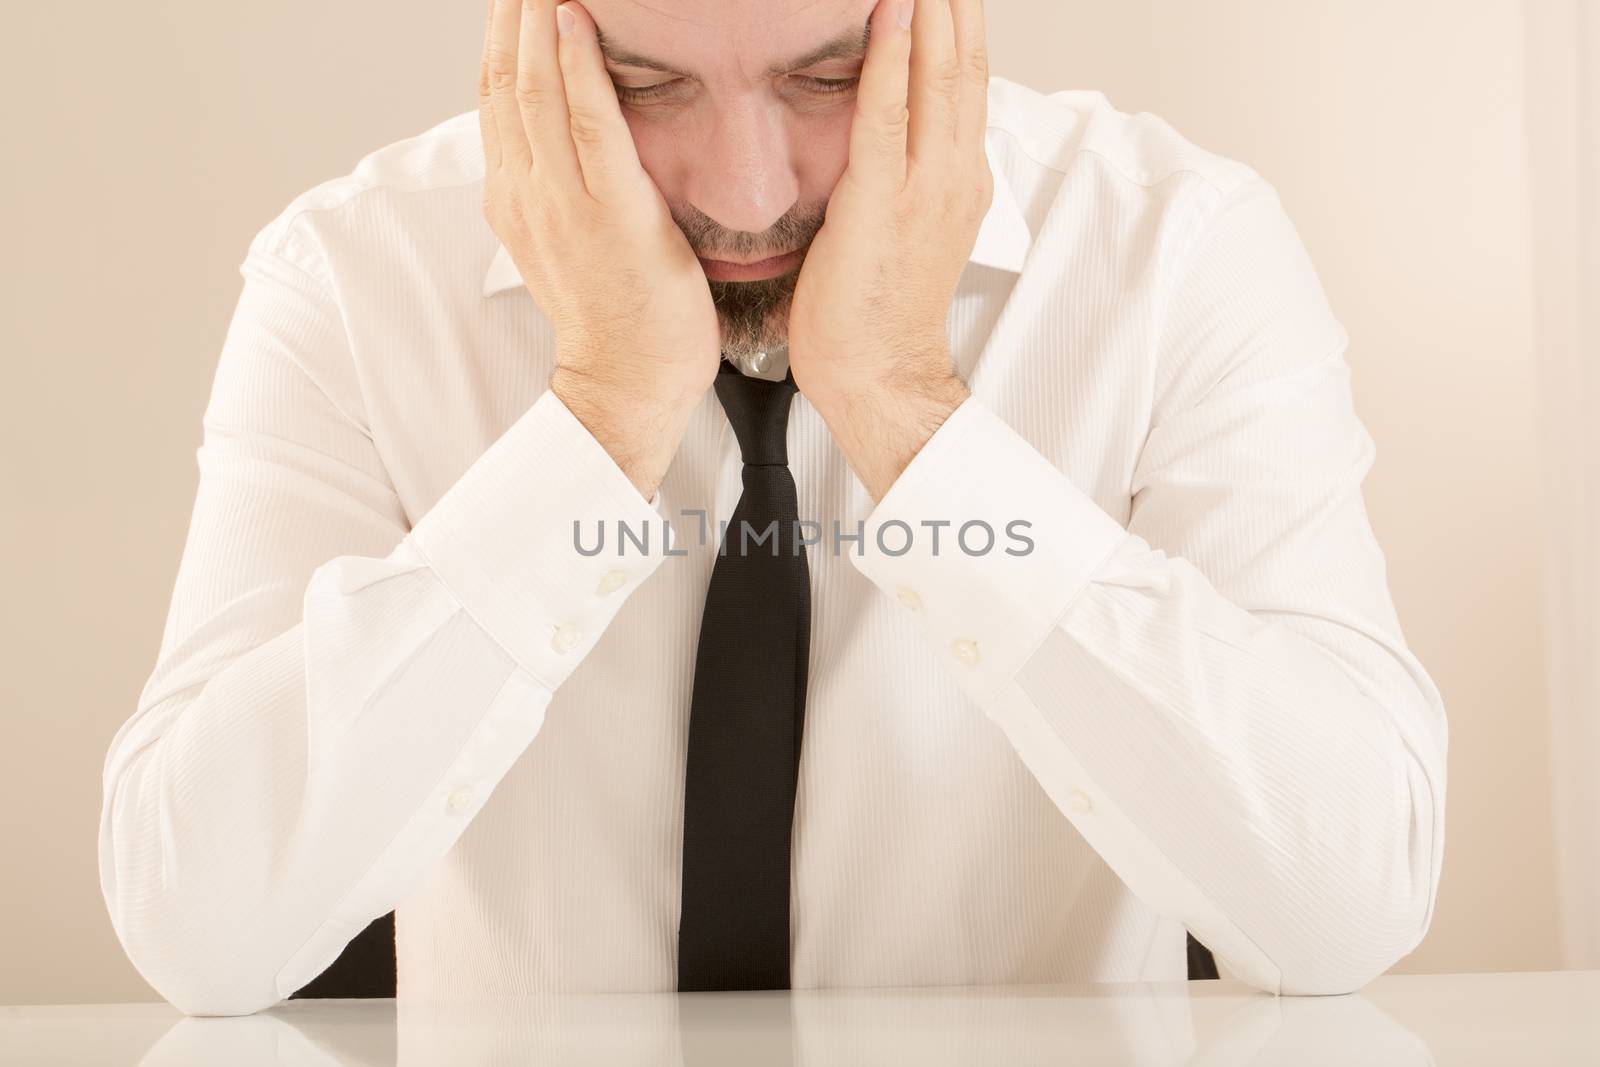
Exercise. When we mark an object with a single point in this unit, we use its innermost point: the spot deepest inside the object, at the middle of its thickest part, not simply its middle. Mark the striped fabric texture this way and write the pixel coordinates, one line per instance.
(1171, 694)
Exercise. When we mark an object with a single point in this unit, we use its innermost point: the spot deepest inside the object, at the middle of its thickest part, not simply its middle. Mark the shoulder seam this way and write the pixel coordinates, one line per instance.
(1240, 170)
(321, 286)
(286, 220)
(1143, 181)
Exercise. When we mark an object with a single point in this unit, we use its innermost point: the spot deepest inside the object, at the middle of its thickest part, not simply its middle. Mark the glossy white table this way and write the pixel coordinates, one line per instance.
(1510, 1019)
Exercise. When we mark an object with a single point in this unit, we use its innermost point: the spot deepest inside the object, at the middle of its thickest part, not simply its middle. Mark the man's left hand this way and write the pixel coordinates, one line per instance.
(868, 344)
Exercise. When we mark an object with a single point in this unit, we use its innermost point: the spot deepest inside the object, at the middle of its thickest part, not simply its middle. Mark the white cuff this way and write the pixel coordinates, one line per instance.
(506, 538)
(997, 543)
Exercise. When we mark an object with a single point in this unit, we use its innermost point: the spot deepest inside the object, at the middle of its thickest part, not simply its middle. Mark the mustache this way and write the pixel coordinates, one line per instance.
(711, 240)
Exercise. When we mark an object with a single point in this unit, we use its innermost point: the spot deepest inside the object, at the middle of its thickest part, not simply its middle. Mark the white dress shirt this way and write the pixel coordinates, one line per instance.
(389, 681)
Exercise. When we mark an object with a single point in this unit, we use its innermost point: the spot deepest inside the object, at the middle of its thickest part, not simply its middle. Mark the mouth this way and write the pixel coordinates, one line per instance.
(722, 270)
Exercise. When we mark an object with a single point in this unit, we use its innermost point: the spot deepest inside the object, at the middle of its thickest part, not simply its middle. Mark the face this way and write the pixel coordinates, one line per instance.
(740, 110)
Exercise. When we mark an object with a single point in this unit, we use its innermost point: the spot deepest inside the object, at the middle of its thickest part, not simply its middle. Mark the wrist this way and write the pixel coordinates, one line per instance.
(880, 428)
(639, 428)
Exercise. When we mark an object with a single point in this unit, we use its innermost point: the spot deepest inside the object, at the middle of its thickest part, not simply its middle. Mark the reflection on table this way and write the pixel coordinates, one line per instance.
(1416, 1019)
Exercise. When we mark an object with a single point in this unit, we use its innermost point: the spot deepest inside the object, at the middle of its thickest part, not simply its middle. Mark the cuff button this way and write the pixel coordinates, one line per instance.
(566, 638)
(966, 652)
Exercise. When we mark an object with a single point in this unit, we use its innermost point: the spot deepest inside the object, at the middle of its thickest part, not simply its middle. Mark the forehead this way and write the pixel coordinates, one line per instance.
(709, 37)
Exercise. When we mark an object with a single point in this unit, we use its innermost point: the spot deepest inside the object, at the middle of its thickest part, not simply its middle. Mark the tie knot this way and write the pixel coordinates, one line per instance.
(758, 410)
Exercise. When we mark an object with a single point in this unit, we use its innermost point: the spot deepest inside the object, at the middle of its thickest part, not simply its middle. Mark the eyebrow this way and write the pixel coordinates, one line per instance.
(852, 44)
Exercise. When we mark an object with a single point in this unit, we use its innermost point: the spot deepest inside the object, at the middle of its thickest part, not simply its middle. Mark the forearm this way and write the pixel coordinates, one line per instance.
(253, 825)
(276, 791)
(1271, 777)
(1276, 780)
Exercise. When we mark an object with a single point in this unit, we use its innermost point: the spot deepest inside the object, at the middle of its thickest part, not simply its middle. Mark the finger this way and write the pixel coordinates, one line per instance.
(542, 98)
(604, 143)
(935, 81)
(879, 127)
(972, 49)
(503, 22)
(486, 128)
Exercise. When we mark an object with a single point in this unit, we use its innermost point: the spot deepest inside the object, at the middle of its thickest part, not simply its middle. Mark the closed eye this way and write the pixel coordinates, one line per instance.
(828, 85)
(630, 94)
(638, 94)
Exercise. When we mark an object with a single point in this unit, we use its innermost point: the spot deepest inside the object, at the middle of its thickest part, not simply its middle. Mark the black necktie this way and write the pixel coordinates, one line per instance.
(747, 714)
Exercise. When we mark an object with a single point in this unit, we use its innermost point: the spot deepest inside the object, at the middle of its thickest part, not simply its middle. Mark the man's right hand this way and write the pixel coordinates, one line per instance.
(637, 338)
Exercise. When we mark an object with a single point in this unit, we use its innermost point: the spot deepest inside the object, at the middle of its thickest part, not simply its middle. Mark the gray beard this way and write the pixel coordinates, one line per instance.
(754, 315)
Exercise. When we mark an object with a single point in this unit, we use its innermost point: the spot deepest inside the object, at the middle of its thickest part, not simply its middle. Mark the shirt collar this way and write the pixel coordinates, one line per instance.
(1003, 238)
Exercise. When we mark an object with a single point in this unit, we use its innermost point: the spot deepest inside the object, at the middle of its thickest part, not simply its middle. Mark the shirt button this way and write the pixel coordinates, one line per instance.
(909, 598)
(966, 652)
(460, 799)
(1078, 802)
(567, 637)
(613, 581)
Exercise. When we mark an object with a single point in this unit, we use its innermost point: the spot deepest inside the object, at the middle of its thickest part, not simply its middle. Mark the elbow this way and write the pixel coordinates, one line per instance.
(1381, 883)
(1320, 959)
(219, 995)
(1344, 939)
(199, 968)
(199, 957)
(202, 980)
(1342, 956)
(1336, 965)
(1372, 904)
(1337, 970)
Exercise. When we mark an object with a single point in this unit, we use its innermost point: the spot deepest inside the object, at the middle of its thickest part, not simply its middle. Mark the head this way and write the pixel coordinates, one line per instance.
(741, 113)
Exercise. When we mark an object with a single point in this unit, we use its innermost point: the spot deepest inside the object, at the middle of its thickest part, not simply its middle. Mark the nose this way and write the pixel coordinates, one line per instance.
(744, 177)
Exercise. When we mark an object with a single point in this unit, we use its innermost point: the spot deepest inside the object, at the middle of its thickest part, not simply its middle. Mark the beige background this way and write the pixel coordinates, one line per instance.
(149, 142)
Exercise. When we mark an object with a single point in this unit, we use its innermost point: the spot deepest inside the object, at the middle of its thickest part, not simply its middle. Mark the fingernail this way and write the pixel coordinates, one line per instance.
(905, 13)
(564, 20)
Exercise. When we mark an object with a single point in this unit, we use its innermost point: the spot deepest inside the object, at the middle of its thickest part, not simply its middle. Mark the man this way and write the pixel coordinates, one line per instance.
(1047, 624)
